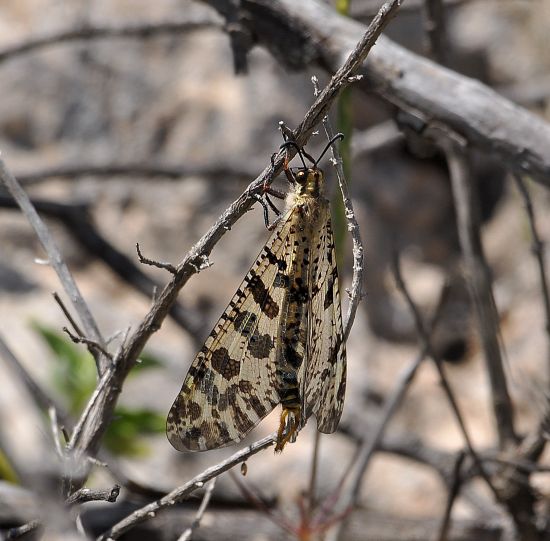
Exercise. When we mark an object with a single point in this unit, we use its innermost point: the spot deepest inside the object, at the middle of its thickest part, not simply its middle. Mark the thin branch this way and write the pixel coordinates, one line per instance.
(56, 429)
(90, 344)
(159, 264)
(186, 535)
(56, 261)
(353, 228)
(91, 433)
(67, 314)
(180, 493)
(310, 32)
(132, 170)
(435, 25)
(40, 397)
(20, 531)
(451, 498)
(104, 382)
(78, 223)
(84, 495)
(538, 253)
(479, 283)
(313, 472)
(141, 31)
(426, 343)
(371, 443)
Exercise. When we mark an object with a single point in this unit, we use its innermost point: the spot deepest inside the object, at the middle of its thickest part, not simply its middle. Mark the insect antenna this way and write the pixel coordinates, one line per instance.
(337, 137)
(301, 152)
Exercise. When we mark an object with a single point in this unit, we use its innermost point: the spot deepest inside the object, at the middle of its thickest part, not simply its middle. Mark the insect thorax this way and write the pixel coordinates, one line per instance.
(308, 192)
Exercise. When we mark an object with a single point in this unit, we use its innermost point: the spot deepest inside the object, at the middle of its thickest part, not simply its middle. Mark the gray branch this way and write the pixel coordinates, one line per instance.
(300, 34)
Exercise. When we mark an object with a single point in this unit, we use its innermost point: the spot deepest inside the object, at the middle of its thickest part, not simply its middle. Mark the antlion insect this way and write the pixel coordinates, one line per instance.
(279, 341)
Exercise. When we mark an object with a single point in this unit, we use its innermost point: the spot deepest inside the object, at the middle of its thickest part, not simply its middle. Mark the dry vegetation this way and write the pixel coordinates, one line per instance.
(126, 123)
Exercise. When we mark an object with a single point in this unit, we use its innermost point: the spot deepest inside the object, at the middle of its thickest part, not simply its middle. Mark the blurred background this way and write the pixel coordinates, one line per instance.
(147, 140)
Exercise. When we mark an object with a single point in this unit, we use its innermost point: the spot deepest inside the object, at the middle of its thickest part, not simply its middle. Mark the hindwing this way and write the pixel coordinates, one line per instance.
(325, 374)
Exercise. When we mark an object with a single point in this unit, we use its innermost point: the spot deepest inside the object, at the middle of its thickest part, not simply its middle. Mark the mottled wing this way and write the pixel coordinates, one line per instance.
(325, 373)
(232, 383)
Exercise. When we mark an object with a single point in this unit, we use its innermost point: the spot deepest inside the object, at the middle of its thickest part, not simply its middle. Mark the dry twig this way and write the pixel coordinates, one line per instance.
(84, 495)
(133, 170)
(451, 498)
(186, 535)
(426, 343)
(79, 224)
(479, 282)
(102, 32)
(311, 32)
(434, 22)
(180, 493)
(56, 261)
(538, 253)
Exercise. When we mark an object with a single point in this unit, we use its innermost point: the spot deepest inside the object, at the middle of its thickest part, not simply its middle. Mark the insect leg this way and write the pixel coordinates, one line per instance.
(267, 204)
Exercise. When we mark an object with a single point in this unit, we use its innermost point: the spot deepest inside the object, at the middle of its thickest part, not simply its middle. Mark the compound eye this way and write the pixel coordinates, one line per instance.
(301, 177)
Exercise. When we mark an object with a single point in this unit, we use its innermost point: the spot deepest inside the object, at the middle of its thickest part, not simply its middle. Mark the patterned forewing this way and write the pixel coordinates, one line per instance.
(232, 383)
(325, 374)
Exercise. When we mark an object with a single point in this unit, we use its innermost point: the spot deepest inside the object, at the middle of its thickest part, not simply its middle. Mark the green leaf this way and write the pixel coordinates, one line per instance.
(74, 374)
(128, 425)
(7, 472)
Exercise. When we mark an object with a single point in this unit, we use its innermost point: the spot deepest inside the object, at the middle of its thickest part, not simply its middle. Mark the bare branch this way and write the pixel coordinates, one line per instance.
(538, 253)
(186, 535)
(161, 265)
(310, 32)
(132, 170)
(56, 260)
(353, 228)
(451, 498)
(180, 493)
(426, 343)
(103, 32)
(479, 282)
(40, 397)
(91, 345)
(20, 531)
(67, 314)
(84, 495)
(434, 22)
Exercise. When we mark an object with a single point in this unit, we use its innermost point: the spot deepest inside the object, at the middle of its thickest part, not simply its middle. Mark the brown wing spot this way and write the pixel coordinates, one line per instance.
(260, 346)
(245, 386)
(262, 297)
(329, 297)
(257, 406)
(194, 411)
(274, 260)
(244, 322)
(224, 433)
(243, 423)
(193, 434)
(178, 410)
(224, 364)
(227, 398)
